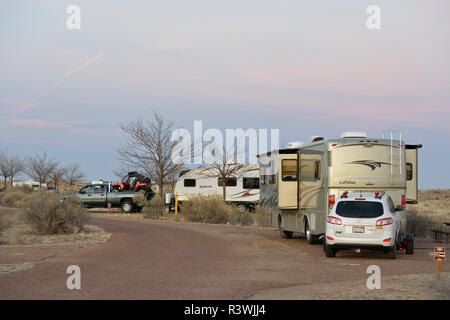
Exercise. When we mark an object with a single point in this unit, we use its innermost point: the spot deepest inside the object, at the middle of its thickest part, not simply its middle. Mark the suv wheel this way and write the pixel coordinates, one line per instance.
(391, 253)
(330, 252)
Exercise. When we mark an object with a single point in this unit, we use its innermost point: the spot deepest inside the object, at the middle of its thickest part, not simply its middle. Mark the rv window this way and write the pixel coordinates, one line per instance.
(309, 170)
(231, 182)
(251, 183)
(289, 170)
(189, 182)
(409, 171)
(99, 189)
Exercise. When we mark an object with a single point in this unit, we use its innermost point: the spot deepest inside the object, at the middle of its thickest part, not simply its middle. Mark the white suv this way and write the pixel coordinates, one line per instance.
(363, 221)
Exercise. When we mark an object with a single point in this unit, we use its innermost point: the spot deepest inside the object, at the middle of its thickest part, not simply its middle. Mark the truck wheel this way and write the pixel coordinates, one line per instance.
(127, 206)
(409, 246)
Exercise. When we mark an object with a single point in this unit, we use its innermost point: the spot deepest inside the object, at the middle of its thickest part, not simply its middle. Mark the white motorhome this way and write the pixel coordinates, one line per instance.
(300, 184)
(242, 189)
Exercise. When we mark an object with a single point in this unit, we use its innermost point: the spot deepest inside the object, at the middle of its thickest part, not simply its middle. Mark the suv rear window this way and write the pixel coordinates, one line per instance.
(359, 209)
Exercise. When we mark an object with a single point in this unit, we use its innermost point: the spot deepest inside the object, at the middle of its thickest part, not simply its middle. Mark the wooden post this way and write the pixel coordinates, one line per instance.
(438, 268)
(109, 208)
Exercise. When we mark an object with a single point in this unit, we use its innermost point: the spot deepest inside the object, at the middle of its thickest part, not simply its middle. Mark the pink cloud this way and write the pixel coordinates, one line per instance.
(17, 104)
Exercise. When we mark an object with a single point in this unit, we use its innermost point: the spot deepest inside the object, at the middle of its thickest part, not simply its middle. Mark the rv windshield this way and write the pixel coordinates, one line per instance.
(359, 209)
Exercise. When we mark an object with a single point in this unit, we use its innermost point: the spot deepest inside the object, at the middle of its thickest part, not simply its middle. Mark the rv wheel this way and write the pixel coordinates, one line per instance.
(284, 234)
(310, 238)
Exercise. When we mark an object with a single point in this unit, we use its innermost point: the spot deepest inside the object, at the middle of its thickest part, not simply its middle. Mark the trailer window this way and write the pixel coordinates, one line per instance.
(409, 171)
(99, 189)
(359, 209)
(310, 170)
(250, 183)
(231, 182)
(289, 170)
(189, 182)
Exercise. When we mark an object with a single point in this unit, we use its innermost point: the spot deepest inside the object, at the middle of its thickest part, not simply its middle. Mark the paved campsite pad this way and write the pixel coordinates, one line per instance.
(146, 259)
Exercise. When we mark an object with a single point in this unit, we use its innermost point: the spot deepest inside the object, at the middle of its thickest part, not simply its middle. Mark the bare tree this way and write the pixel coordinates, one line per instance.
(73, 175)
(150, 149)
(57, 175)
(224, 168)
(40, 168)
(10, 166)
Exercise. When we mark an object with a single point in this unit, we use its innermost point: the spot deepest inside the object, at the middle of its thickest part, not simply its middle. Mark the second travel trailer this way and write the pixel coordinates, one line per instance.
(300, 185)
(242, 188)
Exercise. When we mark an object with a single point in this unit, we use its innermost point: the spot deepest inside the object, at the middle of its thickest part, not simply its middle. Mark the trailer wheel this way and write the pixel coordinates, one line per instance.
(242, 208)
(409, 246)
(127, 206)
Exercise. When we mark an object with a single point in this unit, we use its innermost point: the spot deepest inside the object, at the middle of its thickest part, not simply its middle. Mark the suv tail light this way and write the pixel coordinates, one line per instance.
(403, 200)
(384, 222)
(331, 201)
(334, 220)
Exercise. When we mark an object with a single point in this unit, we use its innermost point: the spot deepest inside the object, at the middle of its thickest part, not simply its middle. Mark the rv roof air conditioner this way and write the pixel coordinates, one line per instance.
(354, 134)
(295, 144)
(316, 139)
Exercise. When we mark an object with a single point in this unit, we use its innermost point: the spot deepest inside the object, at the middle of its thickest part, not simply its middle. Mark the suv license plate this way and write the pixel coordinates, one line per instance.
(358, 230)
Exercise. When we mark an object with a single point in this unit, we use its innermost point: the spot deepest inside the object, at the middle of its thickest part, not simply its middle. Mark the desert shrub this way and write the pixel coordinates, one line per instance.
(263, 218)
(206, 209)
(14, 196)
(46, 214)
(240, 218)
(3, 223)
(420, 224)
(154, 208)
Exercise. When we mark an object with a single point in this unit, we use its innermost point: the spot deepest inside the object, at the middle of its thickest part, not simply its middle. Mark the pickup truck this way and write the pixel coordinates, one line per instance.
(99, 195)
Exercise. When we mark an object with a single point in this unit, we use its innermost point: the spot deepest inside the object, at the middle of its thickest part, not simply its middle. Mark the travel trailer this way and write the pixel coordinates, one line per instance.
(300, 185)
(242, 189)
(29, 183)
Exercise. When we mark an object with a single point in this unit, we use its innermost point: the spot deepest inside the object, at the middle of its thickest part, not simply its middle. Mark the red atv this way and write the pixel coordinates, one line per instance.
(134, 181)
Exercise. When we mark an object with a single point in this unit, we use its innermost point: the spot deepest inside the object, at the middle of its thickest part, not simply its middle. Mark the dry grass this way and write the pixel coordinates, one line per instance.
(14, 196)
(47, 214)
(431, 212)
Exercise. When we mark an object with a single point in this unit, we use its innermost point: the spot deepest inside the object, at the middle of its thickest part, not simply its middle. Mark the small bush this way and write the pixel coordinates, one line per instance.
(420, 224)
(3, 223)
(153, 209)
(46, 214)
(14, 196)
(263, 218)
(206, 209)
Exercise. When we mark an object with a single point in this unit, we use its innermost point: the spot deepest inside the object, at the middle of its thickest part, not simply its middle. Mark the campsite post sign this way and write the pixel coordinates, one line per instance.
(439, 257)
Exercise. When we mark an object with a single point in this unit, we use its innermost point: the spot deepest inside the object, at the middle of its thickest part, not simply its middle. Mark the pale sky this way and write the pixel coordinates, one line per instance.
(304, 67)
